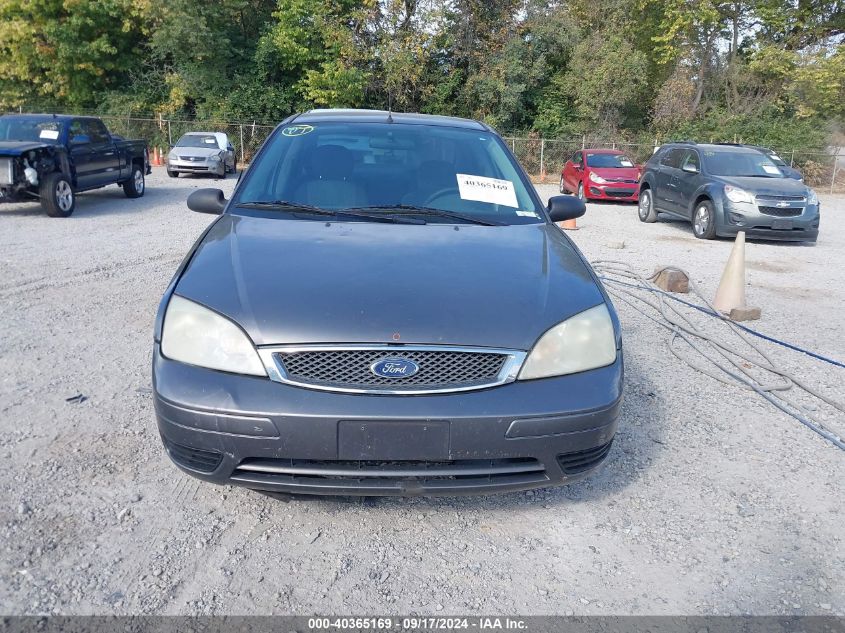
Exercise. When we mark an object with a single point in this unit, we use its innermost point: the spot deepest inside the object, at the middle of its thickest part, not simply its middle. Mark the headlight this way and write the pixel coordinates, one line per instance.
(196, 335)
(596, 178)
(812, 198)
(735, 194)
(214, 157)
(585, 341)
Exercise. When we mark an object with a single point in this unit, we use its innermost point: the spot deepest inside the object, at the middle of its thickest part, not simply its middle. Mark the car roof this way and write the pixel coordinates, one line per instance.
(383, 116)
(715, 147)
(602, 150)
(43, 115)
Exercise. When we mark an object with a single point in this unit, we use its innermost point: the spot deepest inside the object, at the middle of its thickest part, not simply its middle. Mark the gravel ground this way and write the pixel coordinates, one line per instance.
(711, 502)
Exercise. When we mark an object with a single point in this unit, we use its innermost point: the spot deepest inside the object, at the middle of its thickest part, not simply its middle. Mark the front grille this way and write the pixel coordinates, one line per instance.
(619, 193)
(194, 458)
(628, 180)
(580, 461)
(350, 368)
(779, 198)
(193, 159)
(390, 476)
(7, 176)
(781, 212)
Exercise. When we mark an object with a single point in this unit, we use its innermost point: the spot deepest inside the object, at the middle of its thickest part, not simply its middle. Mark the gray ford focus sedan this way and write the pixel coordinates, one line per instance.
(385, 307)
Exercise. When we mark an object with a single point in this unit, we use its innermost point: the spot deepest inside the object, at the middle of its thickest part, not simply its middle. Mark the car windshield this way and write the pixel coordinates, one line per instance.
(44, 130)
(437, 172)
(608, 161)
(197, 140)
(741, 164)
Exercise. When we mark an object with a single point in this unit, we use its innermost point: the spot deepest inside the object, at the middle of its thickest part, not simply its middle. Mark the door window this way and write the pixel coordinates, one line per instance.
(576, 158)
(673, 157)
(96, 131)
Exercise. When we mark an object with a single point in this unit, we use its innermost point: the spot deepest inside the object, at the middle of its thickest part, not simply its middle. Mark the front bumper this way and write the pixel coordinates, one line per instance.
(747, 217)
(254, 432)
(192, 167)
(620, 191)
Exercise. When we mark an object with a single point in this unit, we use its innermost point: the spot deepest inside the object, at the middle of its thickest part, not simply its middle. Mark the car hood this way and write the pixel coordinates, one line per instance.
(611, 173)
(16, 148)
(195, 151)
(767, 186)
(298, 281)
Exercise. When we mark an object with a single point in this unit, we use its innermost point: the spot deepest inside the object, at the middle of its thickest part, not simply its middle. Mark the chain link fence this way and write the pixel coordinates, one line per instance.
(161, 133)
(543, 159)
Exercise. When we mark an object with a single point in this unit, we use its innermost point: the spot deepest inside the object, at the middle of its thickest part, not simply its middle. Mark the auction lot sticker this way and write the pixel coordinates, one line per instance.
(484, 189)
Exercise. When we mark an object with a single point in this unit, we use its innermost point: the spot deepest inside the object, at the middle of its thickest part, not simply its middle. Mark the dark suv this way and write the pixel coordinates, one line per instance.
(724, 189)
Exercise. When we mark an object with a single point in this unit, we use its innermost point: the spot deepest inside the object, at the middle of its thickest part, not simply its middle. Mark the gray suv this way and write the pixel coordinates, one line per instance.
(724, 189)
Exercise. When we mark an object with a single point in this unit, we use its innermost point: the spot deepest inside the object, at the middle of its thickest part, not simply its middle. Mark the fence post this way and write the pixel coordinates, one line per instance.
(513, 146)
(241, 126)
(542, 160)
(583, 141)
(169, 137)
(792, 158)
(835, 165)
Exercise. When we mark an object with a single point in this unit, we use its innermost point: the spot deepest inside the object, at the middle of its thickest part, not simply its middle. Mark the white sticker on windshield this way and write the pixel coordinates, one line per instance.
(626, 163)
(482, 189)
(771, 169)
(49, 134)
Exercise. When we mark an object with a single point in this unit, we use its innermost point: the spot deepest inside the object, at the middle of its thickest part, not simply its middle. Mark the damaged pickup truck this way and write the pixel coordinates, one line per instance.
(51, 158)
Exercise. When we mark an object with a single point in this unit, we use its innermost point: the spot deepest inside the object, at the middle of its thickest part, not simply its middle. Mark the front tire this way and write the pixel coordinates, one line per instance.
(645, 207)
(561, 188)
(57, 196)
(172, 174)
(704, 221)
(134, 187)
(581, 195)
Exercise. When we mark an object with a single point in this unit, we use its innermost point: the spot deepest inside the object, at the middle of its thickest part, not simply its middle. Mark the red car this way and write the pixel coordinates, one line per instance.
(601, 174)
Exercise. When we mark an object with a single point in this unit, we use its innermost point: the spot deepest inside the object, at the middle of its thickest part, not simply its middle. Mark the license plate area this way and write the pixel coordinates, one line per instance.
(782, 224)
(393, 440)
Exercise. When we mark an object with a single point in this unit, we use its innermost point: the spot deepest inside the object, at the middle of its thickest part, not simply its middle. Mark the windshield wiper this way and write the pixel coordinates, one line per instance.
(308, 208)
(409, 209)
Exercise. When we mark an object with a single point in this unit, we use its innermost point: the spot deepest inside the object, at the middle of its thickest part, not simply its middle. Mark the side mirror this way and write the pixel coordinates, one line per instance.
(207, 201)
(566, 208)
(690, 169)
(80, 139)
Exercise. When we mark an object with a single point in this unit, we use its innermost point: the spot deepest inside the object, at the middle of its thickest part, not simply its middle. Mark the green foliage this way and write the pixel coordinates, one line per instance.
(767, 71)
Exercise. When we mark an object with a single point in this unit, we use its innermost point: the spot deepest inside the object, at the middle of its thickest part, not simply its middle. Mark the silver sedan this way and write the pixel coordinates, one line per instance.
(202, 153)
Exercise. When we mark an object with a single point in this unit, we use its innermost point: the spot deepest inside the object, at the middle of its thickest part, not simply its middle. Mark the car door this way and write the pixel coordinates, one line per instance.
(666, 194)
(686, 181)
(81, 153)
(572, 173)
(105, 165)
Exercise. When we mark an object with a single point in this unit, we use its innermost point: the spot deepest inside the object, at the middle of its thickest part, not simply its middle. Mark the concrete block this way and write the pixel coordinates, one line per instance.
(672, 280)
(745, 314)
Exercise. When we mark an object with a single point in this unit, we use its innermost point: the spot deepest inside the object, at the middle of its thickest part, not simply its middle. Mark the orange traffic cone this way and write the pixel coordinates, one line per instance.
(569, 225)
(155, 160)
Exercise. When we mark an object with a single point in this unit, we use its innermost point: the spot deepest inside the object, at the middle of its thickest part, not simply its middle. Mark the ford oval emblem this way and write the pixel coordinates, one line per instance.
(394, 368)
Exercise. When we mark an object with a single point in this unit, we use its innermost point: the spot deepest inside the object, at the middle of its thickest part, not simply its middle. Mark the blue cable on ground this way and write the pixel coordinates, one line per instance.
(742, 327)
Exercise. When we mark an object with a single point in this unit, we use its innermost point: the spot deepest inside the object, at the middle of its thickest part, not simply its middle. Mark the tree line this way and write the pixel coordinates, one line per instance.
(767, 71)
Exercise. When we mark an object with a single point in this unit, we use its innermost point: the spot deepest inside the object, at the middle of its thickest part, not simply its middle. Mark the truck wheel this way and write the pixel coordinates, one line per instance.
(134, 187)
(57, 197)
